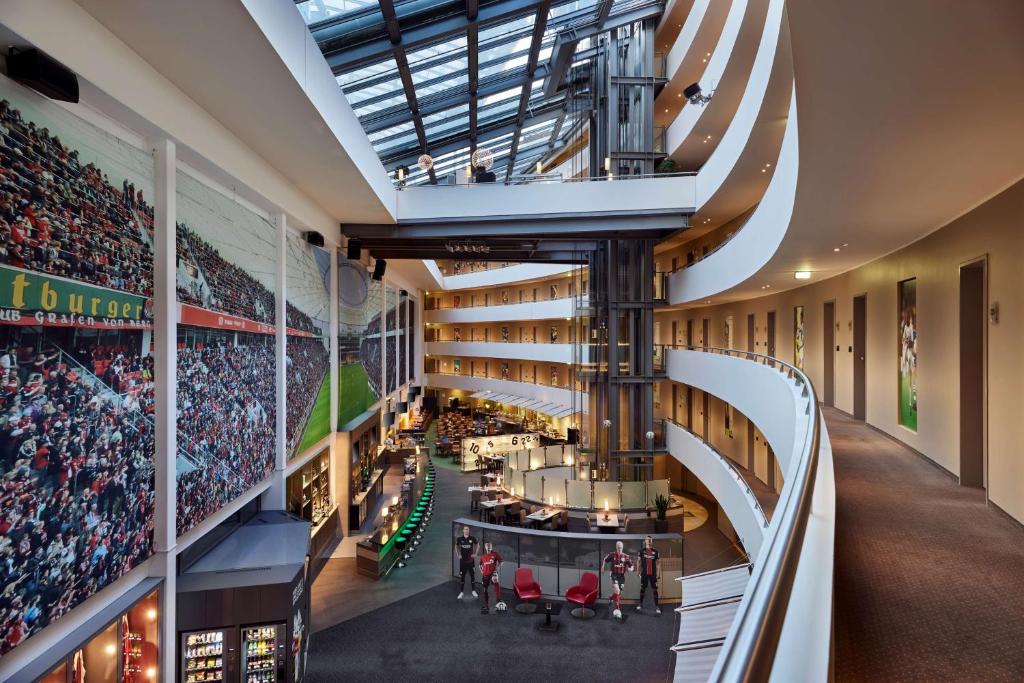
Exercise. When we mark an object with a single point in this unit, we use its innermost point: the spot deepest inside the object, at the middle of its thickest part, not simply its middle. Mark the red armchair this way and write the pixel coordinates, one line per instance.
(527, 590)
(583, 594)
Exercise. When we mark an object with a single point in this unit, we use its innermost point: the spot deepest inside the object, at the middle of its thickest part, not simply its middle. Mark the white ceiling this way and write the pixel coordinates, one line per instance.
(911, 114)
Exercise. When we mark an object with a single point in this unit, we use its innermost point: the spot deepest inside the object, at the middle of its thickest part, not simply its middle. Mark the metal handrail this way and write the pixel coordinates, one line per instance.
(557, 178)
(499, 303)
(750, 653)
(732, 466)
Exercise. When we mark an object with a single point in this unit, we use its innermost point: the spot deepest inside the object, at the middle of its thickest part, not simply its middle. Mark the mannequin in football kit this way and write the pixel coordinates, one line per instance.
(465, 550)
(490, 568)
(620, 564)
(648, 564)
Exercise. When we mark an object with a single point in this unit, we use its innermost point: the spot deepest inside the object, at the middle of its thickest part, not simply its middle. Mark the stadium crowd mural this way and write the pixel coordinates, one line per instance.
(226, 365)
(77, 410)
(307, 275)
(77, 440)
(359, 349)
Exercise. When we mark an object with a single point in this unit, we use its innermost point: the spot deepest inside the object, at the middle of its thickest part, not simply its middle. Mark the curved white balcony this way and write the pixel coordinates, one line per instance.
(425, 203)
(781, 628)
(553, 309)
(754, 136)
(538, 352)
(539, 392)
(753, 245)
(687, 58)
(697, 129)
(725, 483)
(502, 276)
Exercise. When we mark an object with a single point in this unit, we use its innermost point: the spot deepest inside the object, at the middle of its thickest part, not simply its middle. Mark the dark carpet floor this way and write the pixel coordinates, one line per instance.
(454, 642)
(929, 580)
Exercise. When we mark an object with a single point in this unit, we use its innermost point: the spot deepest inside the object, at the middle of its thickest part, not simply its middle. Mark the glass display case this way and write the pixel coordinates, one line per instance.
(202, 656)
(124, 650)
(309, 490)
(263, 654)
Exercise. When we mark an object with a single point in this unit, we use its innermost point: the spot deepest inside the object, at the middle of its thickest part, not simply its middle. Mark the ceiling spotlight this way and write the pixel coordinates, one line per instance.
(695, 95)
(425, 162)
(835, 249)
(802, 275)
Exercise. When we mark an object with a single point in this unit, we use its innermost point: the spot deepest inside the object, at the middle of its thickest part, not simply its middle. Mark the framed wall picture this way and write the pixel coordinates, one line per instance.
(457, 334)
(457, 366)
(553, 292)
(504, 296)
(907, 349)
(504, 333)
(798, 337)
(554, 334)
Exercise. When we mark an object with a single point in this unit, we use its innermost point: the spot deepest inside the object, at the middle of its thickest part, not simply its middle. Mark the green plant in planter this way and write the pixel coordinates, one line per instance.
(667, 165)
(661, 502)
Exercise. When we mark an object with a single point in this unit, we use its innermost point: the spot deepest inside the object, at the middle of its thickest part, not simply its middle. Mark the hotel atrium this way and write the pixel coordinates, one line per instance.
(511, 340)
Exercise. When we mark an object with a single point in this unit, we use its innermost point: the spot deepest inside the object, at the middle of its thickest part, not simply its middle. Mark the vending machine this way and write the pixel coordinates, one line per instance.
(203, 656)
(264, 655)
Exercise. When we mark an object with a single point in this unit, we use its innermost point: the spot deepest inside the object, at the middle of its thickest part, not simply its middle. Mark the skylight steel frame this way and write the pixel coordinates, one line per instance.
(394, 29)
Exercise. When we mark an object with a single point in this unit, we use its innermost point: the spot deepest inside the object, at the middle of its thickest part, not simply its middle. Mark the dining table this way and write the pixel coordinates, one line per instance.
(543, 515)
(607, 522)
(491, 504)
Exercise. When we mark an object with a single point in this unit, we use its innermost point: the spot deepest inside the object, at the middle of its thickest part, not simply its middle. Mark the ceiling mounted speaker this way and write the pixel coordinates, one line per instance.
(354, 249)
(483, 158)
(379, 266)
(314, 238)
(43, 74)
(425, 162)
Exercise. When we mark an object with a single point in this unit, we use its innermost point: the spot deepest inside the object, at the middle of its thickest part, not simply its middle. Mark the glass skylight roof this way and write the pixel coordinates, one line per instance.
(432, 109)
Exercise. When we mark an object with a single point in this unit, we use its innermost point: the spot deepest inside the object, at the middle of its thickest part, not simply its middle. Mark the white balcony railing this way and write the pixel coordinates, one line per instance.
(782, 626)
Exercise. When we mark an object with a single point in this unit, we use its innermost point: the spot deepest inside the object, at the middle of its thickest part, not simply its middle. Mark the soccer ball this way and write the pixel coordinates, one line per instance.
(501, 606)
(617, 614)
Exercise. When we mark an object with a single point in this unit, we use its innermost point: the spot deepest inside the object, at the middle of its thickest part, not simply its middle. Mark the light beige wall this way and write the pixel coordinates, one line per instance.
(995, 229)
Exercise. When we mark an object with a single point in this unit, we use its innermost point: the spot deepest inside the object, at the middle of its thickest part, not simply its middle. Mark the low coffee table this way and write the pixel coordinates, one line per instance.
(548, 609)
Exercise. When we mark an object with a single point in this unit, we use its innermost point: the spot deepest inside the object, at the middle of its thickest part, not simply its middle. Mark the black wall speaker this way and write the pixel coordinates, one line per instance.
(43, 74)
(314, 238)
(379, 266)
(572, 435)
(354, 250)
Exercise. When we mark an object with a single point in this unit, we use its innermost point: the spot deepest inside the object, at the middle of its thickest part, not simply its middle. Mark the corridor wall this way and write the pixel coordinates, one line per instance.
(993, 230)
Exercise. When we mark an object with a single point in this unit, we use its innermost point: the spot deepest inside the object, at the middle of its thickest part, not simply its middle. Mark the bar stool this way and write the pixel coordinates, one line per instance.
(401, 542)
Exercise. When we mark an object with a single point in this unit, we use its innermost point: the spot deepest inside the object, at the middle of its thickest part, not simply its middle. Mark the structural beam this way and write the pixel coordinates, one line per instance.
(459, 141)
(343, 56)
(387, 7)
(539, 26)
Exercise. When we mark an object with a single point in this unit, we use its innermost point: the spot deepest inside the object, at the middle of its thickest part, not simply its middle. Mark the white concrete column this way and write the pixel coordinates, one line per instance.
(339, 471)
(274, 496)
(165, 311)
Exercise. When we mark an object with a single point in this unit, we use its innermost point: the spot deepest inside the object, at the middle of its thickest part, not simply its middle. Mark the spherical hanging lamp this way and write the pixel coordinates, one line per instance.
(425, 162)
(483, 158)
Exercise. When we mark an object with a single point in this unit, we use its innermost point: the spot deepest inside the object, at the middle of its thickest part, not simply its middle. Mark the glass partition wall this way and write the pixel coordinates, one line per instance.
(558, 560)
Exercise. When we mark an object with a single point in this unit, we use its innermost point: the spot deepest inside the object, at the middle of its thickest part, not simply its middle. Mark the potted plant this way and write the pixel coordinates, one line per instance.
(667, 165)
(661, 523)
